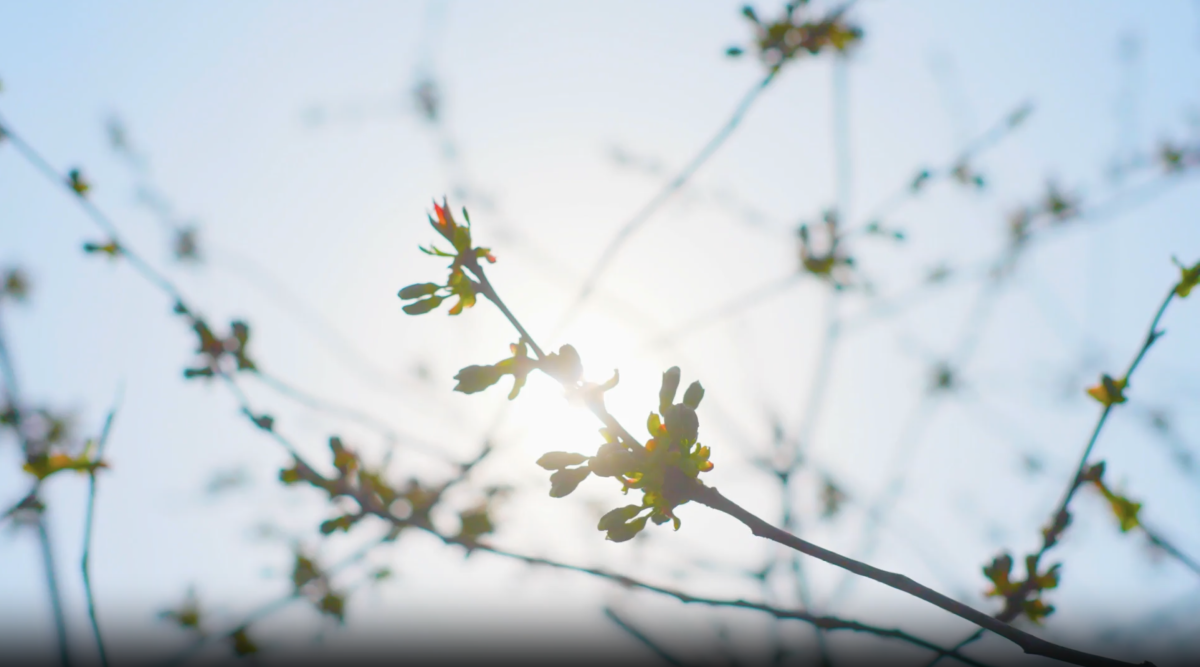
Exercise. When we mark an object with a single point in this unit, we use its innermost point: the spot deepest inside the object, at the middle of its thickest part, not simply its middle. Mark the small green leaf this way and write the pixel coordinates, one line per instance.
(112, 248)
(423, 306)
(473, 379)
(612, 460)
(334, 605)
(565, 365)
(653, 423)
(78, 183)
(242, 644)
(474, 523)
(560, 460)
(304, 571)
(518, 383)
(563, 482)
(1189, 279)
(693, 395)
(342, 523)
(626, 531)
(418, 290)
(734, 51)
(616, 517)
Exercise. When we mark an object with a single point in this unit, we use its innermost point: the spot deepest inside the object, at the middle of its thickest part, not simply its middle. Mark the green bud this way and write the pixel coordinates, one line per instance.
(670, 384)
(682, 423)
(477, 378)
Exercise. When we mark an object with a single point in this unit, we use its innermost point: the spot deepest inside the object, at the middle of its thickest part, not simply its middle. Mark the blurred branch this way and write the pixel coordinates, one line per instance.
(643, 215)
(1060, 518)
(85, 561)
(56, 605)
(641, 637)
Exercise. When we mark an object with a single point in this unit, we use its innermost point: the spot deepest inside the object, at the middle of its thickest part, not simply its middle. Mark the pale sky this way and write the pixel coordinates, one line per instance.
(287, 132)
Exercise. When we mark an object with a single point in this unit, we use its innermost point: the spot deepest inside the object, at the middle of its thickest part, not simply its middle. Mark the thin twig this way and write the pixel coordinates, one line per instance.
(1031, 644)
(641, 637)
(85, 561)
(390, 434)
(650, 208)
(56, 605)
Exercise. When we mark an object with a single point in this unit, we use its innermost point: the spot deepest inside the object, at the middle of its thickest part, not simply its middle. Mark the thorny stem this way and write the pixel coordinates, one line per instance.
(695, 490)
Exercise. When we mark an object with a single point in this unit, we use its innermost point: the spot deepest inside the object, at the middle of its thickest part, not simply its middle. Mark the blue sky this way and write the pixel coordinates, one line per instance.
(220, 98)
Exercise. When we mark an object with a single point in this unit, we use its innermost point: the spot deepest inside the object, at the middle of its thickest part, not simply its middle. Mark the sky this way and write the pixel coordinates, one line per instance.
(287, 133)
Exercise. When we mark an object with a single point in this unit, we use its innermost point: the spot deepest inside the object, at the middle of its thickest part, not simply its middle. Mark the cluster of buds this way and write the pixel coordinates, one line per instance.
(15, 286)
(1055, 207)
(310, 581)
(1021, 598)
(670, 460)
(214, 349)
(831, 264)
(430, 295)
(791, 36)
(365, 487)
(1125, 510)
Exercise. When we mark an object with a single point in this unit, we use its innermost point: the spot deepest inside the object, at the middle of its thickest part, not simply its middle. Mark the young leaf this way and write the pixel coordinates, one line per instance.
(418, 290)
(334, 605)
(693, 395)
(1189, 279)
(560, 460)
(78, 183)
(1109, 391)
(565, 365)
(616, 517)
(423, 306)
(242, 644)
(563, 482)
(626, 531)
(474, 523)
(474, 379)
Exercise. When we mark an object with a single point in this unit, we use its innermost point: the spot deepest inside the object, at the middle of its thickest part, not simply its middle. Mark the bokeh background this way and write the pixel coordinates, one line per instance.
(291, 137)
